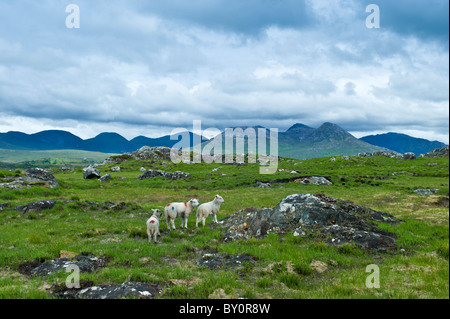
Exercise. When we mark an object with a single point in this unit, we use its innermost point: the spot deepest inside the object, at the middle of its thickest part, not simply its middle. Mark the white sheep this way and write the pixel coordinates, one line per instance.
(183, 210)
(153, 225)
(210, 208)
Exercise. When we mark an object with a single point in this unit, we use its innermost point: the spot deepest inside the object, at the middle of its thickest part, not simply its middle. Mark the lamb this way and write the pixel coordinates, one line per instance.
(183, 210)
(153, 225)
(210, 208)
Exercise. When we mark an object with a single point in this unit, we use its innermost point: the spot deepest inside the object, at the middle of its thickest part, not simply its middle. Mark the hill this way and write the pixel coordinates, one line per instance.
(403, 143)
(104, 142)
(302, 142)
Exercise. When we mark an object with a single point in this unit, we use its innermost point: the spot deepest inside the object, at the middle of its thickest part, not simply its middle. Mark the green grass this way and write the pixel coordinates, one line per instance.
(282, 267)
(21, 158)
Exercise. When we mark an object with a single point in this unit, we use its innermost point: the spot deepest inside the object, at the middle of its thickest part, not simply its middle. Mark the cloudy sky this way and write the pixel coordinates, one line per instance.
(141, 67)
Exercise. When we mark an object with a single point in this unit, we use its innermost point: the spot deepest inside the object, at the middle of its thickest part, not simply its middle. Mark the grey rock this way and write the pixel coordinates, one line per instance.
(409, 155)
(315, 180)
(219, 261)
(426, 191)
(304, 214)
(4, 205)
(38, 175)
(36, 206)
(84, 263)
(263, 185)
(157, 173)
(105, 178)
(115, 169)
(91, 173)
(135, 290)
(390, 154)
(438, 152)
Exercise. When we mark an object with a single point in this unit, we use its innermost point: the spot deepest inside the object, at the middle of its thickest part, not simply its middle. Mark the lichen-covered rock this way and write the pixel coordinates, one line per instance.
(339, 221)
(91, 173)
(157, 173)
(390, 154)
(315, 180)
(84, 263)
(36, 206)
(105, 178)
(39, 175)
(409, 155)
(426, 191)
(439, 152)
(135, 290)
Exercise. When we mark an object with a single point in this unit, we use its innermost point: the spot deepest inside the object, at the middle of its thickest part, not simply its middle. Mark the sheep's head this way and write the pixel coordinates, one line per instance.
(156, 212)
(194, 202)
(219, 199)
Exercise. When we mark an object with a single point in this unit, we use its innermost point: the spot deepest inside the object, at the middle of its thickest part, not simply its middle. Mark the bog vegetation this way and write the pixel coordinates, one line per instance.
(84, 221)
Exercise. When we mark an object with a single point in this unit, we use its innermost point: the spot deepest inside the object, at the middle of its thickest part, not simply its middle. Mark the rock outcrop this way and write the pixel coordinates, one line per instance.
(39, 175)
(157, 173)
(91, 173)
(335, 221)
(439, 152)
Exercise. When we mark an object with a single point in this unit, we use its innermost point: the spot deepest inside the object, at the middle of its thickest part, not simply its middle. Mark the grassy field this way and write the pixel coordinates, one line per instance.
(20, 158)
(284, 265)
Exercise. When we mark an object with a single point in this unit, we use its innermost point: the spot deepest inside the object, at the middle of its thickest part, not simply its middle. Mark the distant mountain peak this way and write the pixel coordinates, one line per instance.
(299, 126)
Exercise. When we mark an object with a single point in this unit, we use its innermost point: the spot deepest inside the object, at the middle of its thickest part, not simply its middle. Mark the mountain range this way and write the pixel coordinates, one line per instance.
(403, 143)
(299, 141)
(104, 142)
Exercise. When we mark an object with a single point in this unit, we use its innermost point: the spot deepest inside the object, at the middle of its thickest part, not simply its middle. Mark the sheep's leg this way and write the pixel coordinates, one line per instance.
(185, 223)
(215, 218)
(149, 235)
(203, 221)
(172, 221)
(182, 221)
(154, 236)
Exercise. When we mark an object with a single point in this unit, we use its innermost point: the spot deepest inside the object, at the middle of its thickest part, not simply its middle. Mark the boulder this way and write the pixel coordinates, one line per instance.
(157, 173)
(115, 169)
(84, 263)
(409, 155)
(126, 290)
(91, 173)
(315, 180)
(36, 206)
(105, 178)
(263, 185)
(438, 152)
(426, 191)
(39, 175)
(336, 221)
(390, 154)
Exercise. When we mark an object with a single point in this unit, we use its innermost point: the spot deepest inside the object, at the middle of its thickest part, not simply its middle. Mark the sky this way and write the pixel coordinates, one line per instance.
(142, 67)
